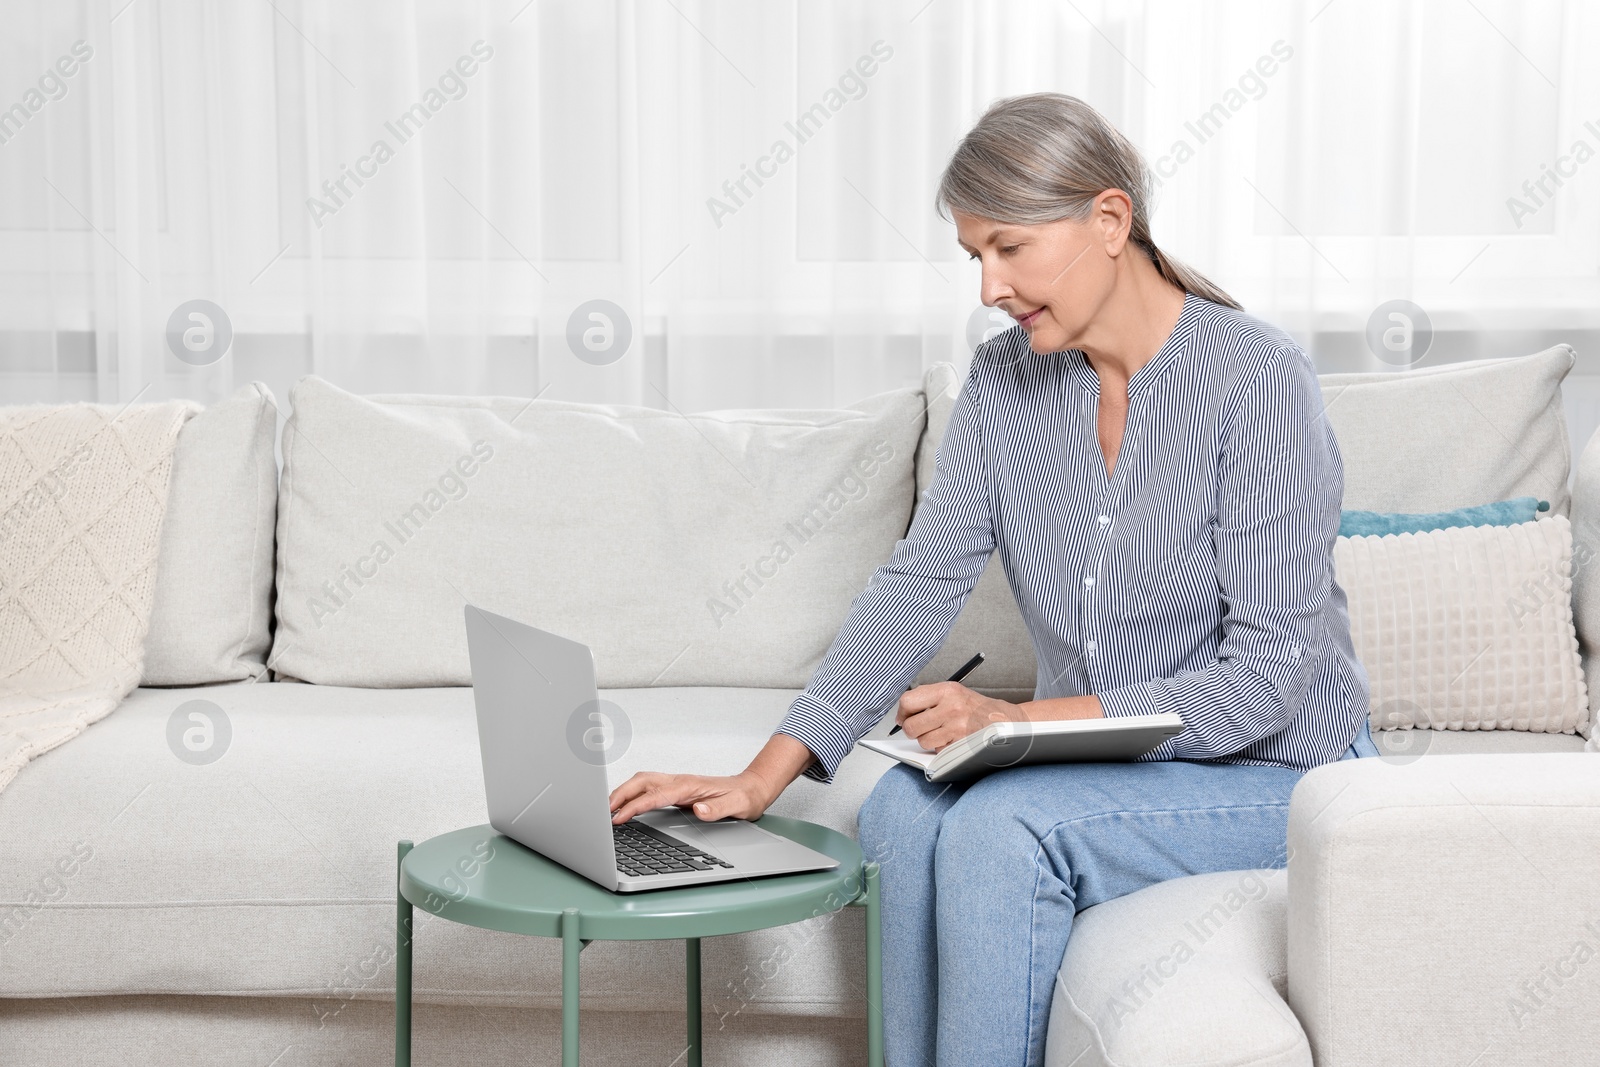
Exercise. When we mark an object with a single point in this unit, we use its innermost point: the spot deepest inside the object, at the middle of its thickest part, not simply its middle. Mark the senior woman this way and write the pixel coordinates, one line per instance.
(1154, 468)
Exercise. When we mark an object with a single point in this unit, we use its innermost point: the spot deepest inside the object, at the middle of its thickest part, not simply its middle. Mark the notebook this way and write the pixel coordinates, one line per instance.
(1009, 744)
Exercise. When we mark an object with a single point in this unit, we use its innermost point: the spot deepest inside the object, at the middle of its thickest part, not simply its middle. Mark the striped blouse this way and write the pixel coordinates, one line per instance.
(1196, 578)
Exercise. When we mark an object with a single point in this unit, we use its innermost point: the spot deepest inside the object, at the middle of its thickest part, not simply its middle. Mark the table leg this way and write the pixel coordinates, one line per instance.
(691, 952)
(402, 969)
(874, 969)
(570, 947)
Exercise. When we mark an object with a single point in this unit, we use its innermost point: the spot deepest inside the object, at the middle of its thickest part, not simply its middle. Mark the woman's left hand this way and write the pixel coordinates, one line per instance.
(942, 712)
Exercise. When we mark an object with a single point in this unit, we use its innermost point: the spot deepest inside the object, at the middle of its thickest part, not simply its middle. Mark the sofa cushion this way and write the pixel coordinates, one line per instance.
(721, 548)
(1420, 441)
(989, 621)
(1467, 628)
(211, 618)
(1585, 580)
(271, 869)
(1189, 971)
(1404, 746)
(1451, 436)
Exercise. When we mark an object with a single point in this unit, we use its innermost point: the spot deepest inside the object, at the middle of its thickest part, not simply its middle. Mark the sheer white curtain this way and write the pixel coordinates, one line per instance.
(430, 196)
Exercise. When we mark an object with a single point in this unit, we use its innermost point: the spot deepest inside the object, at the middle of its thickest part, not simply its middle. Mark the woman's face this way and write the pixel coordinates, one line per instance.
(1051, 277)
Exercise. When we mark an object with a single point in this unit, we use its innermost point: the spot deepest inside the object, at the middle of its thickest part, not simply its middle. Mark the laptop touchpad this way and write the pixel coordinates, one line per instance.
(726, 837)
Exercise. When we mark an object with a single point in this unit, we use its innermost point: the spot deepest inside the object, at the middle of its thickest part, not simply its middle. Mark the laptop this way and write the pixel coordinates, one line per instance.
(547, 787)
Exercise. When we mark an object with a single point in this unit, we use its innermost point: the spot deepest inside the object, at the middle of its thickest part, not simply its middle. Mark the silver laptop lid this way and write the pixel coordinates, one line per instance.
(532, 690)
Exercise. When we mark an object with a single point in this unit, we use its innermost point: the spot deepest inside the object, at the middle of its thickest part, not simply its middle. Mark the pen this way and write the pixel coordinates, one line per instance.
(956, 677)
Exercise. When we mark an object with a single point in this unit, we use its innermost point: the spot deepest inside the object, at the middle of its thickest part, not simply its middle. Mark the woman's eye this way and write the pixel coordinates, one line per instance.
(1010, 248)
(972, 256)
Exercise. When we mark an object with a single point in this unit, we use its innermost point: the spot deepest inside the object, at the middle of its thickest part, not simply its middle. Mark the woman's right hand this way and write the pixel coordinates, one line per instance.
(745, 795)
(739, 796)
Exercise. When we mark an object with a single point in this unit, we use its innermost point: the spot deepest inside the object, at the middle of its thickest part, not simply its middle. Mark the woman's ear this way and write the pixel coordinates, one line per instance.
(1112, 215)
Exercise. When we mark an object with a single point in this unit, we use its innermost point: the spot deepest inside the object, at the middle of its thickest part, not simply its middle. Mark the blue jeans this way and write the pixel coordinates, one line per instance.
(981, 881)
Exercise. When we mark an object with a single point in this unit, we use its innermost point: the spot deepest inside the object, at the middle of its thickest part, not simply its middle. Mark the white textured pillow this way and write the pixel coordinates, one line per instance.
(719, 549)
(1467, 628)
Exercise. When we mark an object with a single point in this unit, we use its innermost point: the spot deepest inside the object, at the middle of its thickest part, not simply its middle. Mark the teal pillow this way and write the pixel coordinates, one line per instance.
(1500, 513)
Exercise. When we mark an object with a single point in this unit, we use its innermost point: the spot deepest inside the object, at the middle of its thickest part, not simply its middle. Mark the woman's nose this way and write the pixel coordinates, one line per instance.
(994, 288)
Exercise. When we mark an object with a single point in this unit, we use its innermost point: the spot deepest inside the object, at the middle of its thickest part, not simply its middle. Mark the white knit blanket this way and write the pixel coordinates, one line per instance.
(83, 490)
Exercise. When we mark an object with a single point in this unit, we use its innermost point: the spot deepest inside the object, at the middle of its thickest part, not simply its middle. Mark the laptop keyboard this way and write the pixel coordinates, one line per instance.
(640, 852)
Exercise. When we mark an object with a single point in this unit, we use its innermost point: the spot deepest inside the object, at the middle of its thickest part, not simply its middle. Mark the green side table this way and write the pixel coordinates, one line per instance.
(477, 877)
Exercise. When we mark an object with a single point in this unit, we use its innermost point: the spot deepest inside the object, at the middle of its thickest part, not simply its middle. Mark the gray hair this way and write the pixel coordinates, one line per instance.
(1046, 156)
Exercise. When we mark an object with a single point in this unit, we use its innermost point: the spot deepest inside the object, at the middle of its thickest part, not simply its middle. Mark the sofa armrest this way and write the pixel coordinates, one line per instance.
(1446, 911)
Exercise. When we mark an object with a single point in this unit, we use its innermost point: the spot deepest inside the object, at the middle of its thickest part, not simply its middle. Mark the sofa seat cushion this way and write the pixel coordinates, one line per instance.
(271, 870)
(1403, 746)
(1187, 972)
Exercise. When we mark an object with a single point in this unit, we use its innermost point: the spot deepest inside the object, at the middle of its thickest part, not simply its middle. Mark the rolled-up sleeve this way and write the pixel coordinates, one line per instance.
(1280, 485)
(900, 619)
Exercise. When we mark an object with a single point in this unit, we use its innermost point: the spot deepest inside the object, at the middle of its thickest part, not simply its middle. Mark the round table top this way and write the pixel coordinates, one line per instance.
(478, 877)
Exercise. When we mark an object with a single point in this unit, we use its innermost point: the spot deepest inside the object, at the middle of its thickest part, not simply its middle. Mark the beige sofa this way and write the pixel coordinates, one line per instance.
(155, 907)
